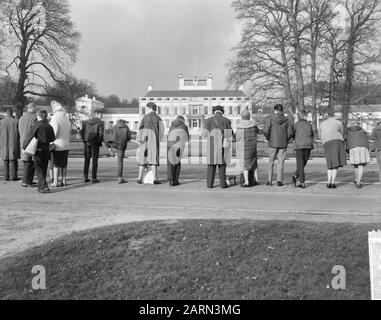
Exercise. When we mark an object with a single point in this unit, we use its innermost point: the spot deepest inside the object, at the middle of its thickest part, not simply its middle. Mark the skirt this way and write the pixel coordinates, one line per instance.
(359, 156)
(59, 159)
(335, 154)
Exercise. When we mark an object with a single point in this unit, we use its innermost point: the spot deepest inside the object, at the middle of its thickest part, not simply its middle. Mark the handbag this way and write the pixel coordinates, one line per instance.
(32, 147)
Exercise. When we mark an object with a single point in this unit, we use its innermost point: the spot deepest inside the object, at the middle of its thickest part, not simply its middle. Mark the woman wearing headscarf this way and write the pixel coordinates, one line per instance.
(60, 151)
(333, 140)
(246, 142)
(358, 148)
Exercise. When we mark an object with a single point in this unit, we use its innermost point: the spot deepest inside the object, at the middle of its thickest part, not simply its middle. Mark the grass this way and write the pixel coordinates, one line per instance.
(196, 260)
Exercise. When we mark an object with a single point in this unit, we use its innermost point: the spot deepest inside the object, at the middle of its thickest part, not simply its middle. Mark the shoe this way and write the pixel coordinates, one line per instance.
(333, 186)
(94, 181)
(6, 179)
(86, 180)
(54, 185)
(294, 181)
(358, 185)
(139, 182)
(302, 186)
(245, 186)
(157, 182)
(121, 181)
(43, 191)
(269, 184)
(280, 184)
(329, 186)
(225, 187)
(25, 185)
(16, 179)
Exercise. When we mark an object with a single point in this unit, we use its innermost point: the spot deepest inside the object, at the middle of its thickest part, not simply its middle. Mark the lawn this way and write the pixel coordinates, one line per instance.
(196, 260)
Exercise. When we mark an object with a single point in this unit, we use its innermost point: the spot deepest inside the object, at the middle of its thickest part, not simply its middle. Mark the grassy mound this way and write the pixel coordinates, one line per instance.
(196, 260)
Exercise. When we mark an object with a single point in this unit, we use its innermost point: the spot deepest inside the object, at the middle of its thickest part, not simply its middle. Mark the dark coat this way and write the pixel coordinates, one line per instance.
(26, 123)
(177, 138)
(151, 133)
(376, 137)
(246, 143)
(278, 131)
(9, 139)
(357, 138)
(303, 135)
(42, 131)
(121, 135)
(92, 132)
(216, 129)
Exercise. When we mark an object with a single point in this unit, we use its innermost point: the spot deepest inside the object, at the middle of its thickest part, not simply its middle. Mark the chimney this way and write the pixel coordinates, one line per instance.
(150, 88)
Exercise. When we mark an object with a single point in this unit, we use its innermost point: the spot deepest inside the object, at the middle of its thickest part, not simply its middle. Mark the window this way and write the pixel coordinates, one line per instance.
(231, 99)
(206, 110)
(184, 99)
(223, 99)
(136, 125)
(202, 83)
(159, 99)
(167, 99)
(206, 99)
(175, 111)
(239, 99)
(214, 99)
(195, 111)
(188, 83)
(151, 99)
(195, 124)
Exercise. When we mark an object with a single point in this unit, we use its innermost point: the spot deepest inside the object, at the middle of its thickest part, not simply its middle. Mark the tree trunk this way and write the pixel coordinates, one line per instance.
(314, 92)
(348, 85)
(286, 80)
(20, 97)
(297, 54)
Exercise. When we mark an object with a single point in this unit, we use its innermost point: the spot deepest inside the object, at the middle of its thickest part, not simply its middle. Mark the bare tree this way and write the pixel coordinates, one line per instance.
(363, 17)
(45, 43)
(263, 56)
(320, 14)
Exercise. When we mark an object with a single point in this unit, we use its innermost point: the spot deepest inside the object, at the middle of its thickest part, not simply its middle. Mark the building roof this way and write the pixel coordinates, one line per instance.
(87, 99)
(195, 93)
(121, 111)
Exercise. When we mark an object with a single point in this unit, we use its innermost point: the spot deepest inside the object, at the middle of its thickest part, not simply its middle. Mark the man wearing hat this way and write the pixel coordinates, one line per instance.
(218, 132)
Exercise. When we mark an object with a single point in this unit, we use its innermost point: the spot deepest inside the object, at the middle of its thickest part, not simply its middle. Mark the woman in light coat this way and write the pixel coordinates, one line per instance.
(62, 127)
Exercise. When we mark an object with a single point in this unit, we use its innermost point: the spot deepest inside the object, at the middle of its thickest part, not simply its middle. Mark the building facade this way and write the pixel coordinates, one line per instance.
(195, 99)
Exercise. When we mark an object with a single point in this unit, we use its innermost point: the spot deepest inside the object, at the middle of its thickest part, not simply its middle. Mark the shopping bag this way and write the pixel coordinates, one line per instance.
(32, 147)
(148, 177)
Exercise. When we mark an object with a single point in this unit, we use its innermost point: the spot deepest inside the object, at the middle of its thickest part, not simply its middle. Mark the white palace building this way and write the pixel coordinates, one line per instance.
(194, 100)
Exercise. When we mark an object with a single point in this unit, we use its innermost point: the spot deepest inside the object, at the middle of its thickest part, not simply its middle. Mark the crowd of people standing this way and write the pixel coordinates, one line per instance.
(49, 141)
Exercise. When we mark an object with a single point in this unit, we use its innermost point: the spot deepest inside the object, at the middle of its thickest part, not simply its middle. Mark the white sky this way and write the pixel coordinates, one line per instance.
(129, 44)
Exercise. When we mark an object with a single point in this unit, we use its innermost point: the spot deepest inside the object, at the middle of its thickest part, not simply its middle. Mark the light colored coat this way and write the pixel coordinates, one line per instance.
(151, 133)
(331, 129)
(9, 139)
(25, 124)
(61, 126)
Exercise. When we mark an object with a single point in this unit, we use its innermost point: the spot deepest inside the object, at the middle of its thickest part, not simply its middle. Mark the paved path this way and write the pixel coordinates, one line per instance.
(28, 219)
